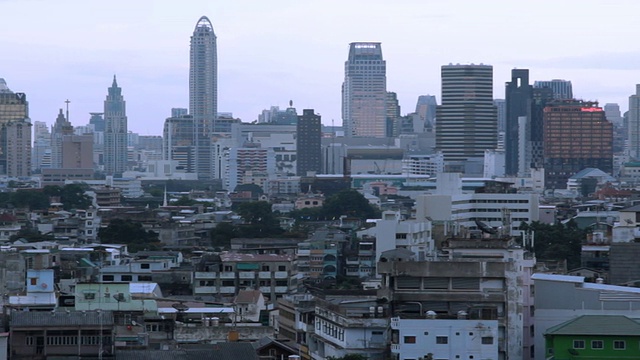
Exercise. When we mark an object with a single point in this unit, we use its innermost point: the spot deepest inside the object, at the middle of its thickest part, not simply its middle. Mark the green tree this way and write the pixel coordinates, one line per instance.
(222, 234)
(72, 196)
(131, 233)
(260, 221)
(351, 203)
(33, 200)
(184, 201)
(349, 357)
(557, 241)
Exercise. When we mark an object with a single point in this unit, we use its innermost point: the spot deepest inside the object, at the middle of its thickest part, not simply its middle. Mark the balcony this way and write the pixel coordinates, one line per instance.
(205, 275)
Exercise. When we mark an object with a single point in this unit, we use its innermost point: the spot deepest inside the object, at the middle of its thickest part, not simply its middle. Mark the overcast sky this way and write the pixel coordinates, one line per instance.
(273, 51)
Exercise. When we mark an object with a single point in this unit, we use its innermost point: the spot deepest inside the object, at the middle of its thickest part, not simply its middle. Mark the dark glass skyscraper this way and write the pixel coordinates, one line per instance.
(203, 93)
(115, 132)
(308, 143)
(518, 98)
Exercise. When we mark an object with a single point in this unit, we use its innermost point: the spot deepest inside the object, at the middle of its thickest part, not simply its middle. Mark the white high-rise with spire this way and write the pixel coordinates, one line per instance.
(115, 132)
(203, 94)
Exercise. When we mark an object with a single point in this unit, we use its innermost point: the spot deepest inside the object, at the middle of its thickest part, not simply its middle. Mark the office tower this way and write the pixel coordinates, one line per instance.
(97, 121)
(393, 114)
(634, 124)
(466, 121)
(176, 112)
(60, 128)
(15, 133)
(77, 152)
(501, 107)
(426, 108)
(41, 155)
(541, 97)
(518, 101)
(115, 132)
(178, 144)
(612, 112)
(577, 136)
(308, 146)
(203, 93)
(364, 91)
(561, 88)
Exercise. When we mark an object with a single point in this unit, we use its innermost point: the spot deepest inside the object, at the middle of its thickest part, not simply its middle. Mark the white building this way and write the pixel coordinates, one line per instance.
(391, 232)
(431, 164)
(494, 205)
(413, 339)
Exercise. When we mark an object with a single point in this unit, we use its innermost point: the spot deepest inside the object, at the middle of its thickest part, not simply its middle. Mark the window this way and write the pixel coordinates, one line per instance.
(487, 340)
(144, 278)
(597, 344)
(107, 277)
(619, 345)
(578, 344)
(89, 296)
(442, 339)
(126, 278)
(145, 266)
(265, 268)
(34, 281)
(282, 268)
(409, 339)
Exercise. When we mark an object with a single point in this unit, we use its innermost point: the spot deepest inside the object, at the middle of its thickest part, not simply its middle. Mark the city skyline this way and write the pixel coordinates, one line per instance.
(261, 64)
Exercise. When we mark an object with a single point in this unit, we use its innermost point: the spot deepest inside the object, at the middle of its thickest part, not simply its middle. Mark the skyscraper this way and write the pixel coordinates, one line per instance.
(634, 124)
(15, 133)
(203, 93)
(308, 143)
(562, 89)
(393, 114)
(364, 91)
(426, 108)
(466, 122)
(576, 136)
(115, 132)
(41, 155)
(518, 99)
(61, 127)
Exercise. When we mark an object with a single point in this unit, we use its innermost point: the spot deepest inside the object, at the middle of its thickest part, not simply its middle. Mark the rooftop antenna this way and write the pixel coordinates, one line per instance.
(164, 202)
(67, 102)
(290, 103)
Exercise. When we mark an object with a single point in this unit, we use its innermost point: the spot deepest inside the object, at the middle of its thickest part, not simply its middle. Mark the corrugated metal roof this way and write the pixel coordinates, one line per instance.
(61, 318)
(605, 325)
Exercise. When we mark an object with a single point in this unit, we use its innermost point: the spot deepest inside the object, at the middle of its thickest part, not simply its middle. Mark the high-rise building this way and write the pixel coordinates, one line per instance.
(15, 133)
(178, 145)
(426, 108)
(61, 128)
(518, 101)
(633, 137)
(501, 107)
(577, 136)
(97, 121)
(393, 114)
(562, 89)
(308, 143)
(203, 93)
(115, 132)
(41, 156)
(613, 114)
(466, 121)
(364, 91)
(541, 96)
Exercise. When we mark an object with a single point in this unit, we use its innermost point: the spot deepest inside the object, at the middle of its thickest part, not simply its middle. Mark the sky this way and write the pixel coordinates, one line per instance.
(270, 52)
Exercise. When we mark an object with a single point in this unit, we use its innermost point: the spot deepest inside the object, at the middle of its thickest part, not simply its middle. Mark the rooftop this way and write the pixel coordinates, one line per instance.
(60, 319)
(609, 325)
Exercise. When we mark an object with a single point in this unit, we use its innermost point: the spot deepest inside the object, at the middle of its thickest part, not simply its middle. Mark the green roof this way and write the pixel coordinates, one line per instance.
(605, 325)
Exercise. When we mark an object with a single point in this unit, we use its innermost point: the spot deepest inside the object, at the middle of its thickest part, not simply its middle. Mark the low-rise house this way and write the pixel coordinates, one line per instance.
(593, 337)
(66, 334)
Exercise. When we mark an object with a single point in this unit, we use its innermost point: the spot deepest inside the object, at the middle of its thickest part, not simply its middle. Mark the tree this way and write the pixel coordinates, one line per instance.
(351, 203)
(349, 357)
(557, 242)
(260, 221)
(34, 200)
(184, 201)
(72, 196)
(131, 233)
(222, 234)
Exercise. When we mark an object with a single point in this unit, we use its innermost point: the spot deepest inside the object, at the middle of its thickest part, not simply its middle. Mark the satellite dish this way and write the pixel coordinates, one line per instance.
(485, 228)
